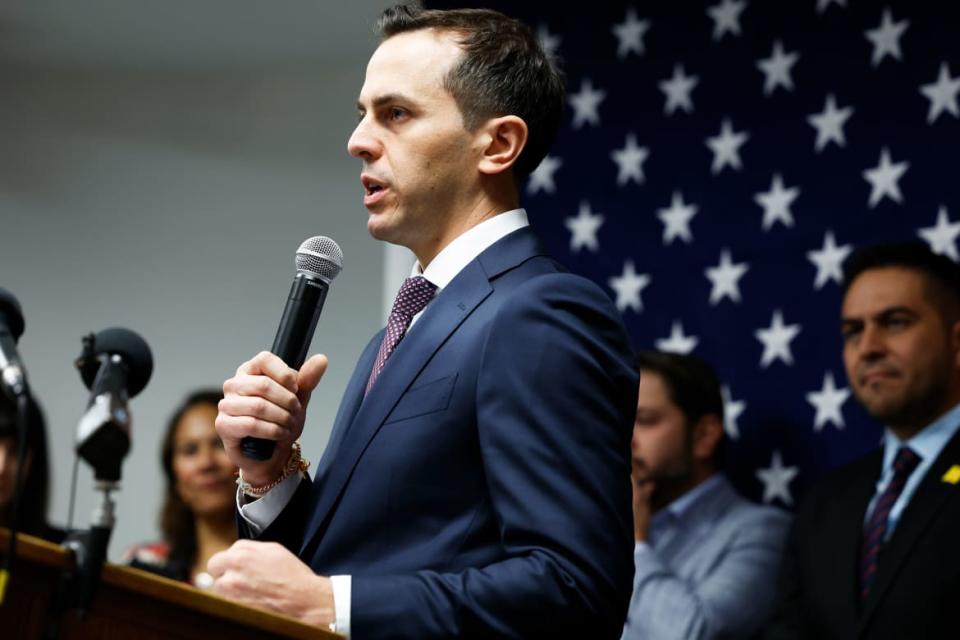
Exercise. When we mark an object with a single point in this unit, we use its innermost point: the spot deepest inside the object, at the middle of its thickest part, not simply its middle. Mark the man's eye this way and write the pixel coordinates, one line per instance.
(397, 113)
(850, 333)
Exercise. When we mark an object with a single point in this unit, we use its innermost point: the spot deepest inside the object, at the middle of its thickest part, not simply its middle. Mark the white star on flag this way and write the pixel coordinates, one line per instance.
(829, 261)
(677, 342)
(886, 38)
(884, 179)
(942, 237)
(628, 286)
(731, 412)
(630, 34)
(726, 17)
(676, 219)
(586, 104)
(829, 124)
(823, 4)
(776, 203)
(776, 69)
(549, 42)
(726, 278)
(630, 161)
(583, 228)
(776, 340)
(942, 94)
(726, 147)
(678, 89)
(776, 480)
(542, 177)
(829, 403)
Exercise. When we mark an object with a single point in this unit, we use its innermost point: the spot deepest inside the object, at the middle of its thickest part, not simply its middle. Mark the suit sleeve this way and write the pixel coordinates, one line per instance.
(731, 601)
(556, 397)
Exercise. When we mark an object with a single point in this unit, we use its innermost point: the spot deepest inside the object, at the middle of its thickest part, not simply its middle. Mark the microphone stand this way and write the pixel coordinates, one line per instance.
(103, 440)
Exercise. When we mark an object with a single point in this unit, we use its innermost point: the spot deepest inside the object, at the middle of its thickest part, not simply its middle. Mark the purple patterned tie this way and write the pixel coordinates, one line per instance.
(876, 530)
(413, 296)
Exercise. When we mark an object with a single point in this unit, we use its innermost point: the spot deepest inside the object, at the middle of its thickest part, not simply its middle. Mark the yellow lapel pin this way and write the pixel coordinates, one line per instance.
(952, 475)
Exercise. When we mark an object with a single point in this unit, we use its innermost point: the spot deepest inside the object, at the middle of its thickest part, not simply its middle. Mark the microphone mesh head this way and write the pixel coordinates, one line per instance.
(319, 257)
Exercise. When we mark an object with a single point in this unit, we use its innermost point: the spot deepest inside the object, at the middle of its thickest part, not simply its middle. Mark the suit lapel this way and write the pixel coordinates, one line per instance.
(844, 526)
(439, 320)
(352, 397)
(924, 505)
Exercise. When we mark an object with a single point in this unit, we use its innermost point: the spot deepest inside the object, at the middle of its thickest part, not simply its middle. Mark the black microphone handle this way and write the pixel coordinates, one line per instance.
(292, 342)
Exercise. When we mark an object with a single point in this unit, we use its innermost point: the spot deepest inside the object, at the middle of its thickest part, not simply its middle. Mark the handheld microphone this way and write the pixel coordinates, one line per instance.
(318, 261)
(13, 376)
(115, 365)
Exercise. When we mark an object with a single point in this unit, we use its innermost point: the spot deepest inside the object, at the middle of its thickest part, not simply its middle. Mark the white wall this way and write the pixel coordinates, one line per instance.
(171, 201)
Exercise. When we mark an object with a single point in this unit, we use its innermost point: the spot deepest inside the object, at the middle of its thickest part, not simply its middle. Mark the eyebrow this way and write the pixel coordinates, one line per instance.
(379, 101)
(887, 311)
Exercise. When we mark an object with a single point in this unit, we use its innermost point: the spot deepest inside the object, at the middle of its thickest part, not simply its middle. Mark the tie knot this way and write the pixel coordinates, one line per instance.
(414, 295)
(906, 461)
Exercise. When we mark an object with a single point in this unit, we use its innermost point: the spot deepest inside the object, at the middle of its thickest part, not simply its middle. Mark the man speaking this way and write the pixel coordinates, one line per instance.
(477, 478)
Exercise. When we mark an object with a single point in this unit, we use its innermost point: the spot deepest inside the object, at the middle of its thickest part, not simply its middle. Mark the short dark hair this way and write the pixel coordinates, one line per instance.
(504, 71)
(942, 275)
(692, 385)
(176, 519)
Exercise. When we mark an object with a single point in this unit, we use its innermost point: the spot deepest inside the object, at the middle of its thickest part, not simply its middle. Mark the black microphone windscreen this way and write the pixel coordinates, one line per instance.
(134, 351)
(10, 313)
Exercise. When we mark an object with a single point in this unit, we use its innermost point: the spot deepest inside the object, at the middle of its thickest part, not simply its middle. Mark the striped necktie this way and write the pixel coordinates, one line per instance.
(876, 530)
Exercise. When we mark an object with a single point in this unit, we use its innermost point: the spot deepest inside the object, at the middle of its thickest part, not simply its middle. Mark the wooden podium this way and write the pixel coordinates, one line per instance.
(129, 604)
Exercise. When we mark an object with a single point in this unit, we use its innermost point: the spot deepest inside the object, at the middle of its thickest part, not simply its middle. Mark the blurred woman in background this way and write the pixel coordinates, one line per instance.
(36, 472)
(197, 519)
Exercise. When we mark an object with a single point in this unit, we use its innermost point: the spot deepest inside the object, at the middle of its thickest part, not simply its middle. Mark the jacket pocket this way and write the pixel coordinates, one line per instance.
(425, 398)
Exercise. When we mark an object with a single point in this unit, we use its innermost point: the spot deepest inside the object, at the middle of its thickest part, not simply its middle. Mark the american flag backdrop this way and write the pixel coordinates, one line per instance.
(717, 162)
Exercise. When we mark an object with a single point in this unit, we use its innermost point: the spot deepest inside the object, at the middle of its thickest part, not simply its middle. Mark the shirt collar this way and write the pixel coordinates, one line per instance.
(679, 508)
(468, 245)
(928, 442)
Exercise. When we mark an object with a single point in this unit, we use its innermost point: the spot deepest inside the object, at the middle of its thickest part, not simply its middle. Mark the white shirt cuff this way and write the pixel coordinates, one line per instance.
(341, 602)
(640, 548)
(260, 513)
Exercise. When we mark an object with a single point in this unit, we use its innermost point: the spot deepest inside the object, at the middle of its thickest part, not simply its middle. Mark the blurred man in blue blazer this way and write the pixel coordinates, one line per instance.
(477, 480)
(706, 558)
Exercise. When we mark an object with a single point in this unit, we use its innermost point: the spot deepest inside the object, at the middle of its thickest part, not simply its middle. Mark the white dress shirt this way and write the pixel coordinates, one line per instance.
(441, 271)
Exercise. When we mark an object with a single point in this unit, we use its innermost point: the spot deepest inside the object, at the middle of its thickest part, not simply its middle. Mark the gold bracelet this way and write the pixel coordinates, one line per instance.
(295, 463)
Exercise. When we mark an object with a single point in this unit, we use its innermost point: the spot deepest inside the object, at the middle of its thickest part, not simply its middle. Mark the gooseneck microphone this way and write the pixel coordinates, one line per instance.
(13, 376)
(319, 260)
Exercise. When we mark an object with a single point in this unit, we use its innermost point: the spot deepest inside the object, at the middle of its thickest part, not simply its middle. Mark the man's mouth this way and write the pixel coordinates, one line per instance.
(872, 377)
(373, 190)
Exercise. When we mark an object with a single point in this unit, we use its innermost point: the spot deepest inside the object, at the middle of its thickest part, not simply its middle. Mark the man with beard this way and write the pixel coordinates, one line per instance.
(874, 549)
(706, 558)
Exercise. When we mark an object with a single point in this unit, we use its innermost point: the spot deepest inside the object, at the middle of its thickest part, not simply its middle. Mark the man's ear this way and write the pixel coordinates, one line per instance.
(503, 139)
(707, 434)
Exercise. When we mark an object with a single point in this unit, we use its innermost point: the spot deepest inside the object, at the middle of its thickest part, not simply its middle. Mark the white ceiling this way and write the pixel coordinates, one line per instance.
(182, 35)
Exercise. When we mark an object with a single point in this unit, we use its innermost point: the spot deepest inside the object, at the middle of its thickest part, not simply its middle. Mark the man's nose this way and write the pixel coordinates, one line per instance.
(362, 143)
(872, 343)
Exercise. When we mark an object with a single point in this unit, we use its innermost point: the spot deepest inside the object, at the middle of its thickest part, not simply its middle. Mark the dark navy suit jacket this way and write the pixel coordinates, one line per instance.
(482, 487)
